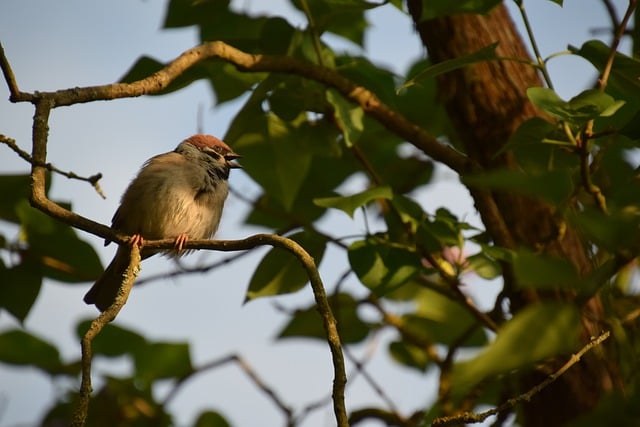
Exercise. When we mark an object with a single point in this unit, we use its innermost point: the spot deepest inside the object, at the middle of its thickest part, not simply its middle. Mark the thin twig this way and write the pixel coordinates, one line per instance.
(469, 417)
(534, 45)
(248, 370)
(93, 180)
(9, 77)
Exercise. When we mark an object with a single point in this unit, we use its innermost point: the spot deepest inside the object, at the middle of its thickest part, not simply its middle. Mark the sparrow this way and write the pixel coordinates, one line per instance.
(178, 195)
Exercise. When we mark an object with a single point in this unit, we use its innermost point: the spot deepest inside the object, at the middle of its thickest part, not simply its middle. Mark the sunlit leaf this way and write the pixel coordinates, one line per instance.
(624, 74)
(484, 266)
(587, 105)
(534, 334)
(348, 115)
(349, 204)
(382, 267)
(281, 272)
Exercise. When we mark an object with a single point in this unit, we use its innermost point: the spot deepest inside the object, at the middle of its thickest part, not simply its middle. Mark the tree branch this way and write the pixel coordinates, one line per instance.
(468, 417)
(93, 179)
(81, 411)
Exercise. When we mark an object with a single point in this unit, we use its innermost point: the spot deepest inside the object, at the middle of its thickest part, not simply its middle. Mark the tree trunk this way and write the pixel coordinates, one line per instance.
(486, 103)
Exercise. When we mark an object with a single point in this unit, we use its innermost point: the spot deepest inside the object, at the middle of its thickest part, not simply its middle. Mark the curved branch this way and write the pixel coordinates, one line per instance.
(366, 99)
(81, 411)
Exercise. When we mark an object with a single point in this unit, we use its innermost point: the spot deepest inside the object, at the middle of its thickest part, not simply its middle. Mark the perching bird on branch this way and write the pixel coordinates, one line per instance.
(177, 195)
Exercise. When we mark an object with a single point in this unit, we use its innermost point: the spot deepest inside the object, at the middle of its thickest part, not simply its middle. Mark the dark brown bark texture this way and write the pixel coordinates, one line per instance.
(486, 103)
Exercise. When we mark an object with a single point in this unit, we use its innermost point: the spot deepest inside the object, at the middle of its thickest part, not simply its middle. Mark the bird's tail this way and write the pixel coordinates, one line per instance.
(103, 293)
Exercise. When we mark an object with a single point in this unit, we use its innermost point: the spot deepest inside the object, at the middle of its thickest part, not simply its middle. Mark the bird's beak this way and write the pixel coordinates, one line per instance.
(230, 160)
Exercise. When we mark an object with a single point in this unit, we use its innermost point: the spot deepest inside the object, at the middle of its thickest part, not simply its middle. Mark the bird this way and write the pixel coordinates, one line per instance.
(176, 195)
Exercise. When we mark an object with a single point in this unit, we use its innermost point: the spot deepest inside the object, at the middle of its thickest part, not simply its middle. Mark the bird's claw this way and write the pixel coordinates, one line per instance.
(180, 241)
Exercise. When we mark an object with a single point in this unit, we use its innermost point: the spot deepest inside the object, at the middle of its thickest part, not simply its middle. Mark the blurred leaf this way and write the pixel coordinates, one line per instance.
(211, 419)
(420, 102)
(307, 322)
(14, 189)
(349, 204)
(441, 319)
(536, 333)
(544, 272)
(409, 355)
(280, 272)
(555, 186)
(342, 17)
(348, 115)
(616, 231)
(56, 247)
(122, 402)
(17, 347)
(487, 53)
(19, 288)
(162, 360)
(437, 8)
(363, 72)
(382, 267)
(484, 266)
(114, 340)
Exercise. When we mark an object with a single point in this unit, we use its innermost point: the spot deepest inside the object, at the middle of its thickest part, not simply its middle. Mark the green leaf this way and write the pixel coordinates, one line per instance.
(409, 355)
(349, 204)
(536, 333)
(484, 266)
(280, 272)
(348, 115)
(440, 319)
(14, 189)
(211, 419)
(20, 348)
(585, 106)
(381, 266)
(437, 8)
(544, 272)
(555, 186)
(487, 53)
(624, 74)
(307, 322)
(19, 288)
(163, 360)
(56, 247)
(114, 340)
(277, 154)
(342, 17)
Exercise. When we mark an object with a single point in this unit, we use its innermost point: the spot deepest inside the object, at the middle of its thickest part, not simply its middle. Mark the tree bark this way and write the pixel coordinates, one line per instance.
(486, 103)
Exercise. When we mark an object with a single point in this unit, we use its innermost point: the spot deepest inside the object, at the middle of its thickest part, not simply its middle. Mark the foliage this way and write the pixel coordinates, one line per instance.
(301, 143)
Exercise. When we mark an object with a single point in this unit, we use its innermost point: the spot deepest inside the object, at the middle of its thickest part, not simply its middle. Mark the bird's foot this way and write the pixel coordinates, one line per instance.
(180, 241)
(136, 240)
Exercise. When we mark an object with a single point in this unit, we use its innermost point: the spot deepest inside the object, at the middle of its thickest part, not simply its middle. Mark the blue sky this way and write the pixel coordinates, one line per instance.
(57, 45)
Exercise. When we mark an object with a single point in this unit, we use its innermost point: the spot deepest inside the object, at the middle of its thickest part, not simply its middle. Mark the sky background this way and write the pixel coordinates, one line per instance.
(58, 45)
